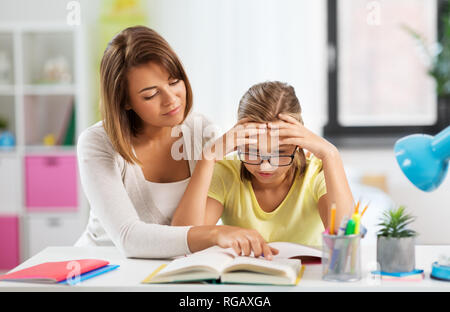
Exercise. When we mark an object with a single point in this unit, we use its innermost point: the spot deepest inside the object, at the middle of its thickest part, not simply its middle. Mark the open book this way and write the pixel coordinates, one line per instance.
(216, 263)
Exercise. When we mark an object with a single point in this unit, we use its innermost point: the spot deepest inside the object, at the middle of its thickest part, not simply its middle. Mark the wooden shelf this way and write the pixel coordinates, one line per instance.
(7, 90)
(54, 149)
(9, 151)
(49, 89)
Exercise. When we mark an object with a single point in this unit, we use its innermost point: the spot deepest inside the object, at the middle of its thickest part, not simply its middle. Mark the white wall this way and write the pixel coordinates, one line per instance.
(29, 10)
(227, 46)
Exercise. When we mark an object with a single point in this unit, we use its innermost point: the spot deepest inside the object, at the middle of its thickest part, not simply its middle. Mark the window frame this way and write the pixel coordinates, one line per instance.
(349, 136)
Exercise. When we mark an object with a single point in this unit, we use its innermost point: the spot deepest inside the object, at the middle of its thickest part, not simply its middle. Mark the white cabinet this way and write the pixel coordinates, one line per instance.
(44, 230)
(10, 185)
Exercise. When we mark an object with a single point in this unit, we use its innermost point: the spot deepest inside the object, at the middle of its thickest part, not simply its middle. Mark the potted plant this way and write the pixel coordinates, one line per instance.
(437, 56)
(6, 138)
(3, 124)
(395, 242)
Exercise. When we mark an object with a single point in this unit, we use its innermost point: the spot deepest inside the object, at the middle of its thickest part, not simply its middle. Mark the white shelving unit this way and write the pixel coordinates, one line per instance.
(39, 99)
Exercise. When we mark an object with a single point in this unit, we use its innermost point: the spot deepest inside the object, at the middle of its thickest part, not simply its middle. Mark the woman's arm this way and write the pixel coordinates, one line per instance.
(109, 201)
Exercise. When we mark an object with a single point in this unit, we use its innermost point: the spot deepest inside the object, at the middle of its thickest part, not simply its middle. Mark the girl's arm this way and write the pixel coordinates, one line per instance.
(195, 203)
(196, 208)
(338, 189)
(293, 132)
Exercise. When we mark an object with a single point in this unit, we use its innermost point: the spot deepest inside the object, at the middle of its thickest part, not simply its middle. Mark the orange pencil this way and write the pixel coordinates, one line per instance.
(357, 207)
(333, 219)
(364, 210)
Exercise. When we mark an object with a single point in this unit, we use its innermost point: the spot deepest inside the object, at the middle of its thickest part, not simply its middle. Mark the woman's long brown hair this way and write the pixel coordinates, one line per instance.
(133, 46)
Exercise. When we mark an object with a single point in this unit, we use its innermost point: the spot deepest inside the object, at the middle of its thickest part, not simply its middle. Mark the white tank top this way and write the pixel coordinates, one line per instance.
(166, 196)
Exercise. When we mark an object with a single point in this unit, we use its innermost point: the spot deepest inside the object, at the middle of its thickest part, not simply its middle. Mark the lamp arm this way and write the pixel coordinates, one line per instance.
(441, 143)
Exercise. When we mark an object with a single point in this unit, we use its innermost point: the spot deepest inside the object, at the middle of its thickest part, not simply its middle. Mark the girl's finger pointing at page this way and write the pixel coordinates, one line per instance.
(236, 248)
(267, 253)
(274, 251)
(256, 246)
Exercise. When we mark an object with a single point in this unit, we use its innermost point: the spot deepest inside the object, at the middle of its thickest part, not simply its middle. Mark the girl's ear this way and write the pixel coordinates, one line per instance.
(127, 106)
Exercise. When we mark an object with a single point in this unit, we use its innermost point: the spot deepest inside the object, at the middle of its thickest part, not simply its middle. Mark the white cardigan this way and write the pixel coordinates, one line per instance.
(122, 212)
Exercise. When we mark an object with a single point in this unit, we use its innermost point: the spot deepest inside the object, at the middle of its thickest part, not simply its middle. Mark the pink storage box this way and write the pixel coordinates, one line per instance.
(51, 183)
(9, 242)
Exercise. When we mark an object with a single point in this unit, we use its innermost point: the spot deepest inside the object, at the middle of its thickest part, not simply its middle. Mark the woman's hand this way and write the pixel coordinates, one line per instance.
(242, 241)
(291, 131)
(244, 132)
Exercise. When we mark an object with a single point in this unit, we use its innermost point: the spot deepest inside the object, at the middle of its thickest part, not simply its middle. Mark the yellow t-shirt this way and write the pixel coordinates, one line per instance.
(296, 219)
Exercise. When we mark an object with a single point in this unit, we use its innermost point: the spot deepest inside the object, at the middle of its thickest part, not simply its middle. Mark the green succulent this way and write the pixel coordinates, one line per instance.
(393, 223)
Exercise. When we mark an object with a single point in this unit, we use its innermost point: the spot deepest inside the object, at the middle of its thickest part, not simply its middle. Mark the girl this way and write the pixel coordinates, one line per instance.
(272, 186)
(128, 174)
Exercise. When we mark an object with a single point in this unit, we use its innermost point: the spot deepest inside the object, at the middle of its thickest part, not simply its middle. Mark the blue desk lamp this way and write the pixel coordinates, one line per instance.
(424, 158)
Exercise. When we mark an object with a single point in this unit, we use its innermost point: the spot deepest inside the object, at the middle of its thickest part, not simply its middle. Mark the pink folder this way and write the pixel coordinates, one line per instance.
(55, 271)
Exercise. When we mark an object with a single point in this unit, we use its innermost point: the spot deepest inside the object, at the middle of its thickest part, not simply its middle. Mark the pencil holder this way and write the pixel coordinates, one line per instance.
(341, 257)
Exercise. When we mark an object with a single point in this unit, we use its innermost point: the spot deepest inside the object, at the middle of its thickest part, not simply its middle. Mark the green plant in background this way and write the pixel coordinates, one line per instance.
(439, 54)
(3, 123)
(394, 222)
(115, 15)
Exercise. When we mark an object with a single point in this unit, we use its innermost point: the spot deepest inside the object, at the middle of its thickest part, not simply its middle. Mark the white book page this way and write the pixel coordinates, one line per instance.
(287, 250)
(276, 267)
(210, 261)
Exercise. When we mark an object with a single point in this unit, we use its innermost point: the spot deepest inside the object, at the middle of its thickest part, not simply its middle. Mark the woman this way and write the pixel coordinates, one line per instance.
(127, 169)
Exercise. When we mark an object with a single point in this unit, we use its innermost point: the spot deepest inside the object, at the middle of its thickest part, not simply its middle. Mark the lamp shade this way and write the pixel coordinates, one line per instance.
(424, 158)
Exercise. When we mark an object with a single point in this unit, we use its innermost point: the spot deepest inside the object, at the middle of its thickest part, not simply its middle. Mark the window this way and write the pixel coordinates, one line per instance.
(378, 86)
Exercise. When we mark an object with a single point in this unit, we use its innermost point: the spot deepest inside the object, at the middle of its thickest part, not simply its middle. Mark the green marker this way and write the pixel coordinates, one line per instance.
(350, 230)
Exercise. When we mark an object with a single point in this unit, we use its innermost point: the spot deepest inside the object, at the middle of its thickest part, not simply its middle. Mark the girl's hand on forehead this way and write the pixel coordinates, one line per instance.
(243, 133)
(290, 131)
(247, 123)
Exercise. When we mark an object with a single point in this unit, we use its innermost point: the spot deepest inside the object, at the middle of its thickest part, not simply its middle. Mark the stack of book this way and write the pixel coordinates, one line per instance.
(413, 276)
(62, 272)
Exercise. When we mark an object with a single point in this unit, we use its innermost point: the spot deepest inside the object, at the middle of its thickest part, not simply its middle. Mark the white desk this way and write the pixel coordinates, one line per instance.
(132, 271)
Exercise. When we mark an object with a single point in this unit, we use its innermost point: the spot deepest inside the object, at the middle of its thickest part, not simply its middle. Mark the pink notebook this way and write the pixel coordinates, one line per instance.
(53, 272)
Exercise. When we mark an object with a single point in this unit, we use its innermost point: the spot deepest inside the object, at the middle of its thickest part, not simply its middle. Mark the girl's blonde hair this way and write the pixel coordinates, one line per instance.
(262, 103)
(132, 47)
